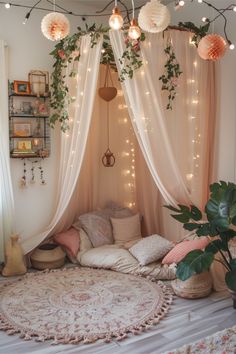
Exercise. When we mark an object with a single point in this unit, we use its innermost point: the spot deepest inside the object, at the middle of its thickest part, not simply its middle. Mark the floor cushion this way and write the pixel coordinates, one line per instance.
(69, 240)
(151, 249)
(126, 229)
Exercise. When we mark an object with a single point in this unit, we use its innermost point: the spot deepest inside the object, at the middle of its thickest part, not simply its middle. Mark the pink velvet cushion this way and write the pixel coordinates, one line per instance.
(69, 240)
(183, 248)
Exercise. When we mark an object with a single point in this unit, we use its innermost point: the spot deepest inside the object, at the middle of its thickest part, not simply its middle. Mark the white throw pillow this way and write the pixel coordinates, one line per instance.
(150, 249)
(127, 229)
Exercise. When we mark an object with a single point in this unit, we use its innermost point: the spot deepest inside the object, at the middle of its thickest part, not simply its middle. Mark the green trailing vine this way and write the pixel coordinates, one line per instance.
(131, 59)
(172, 72)
(199, 32)
(68, 51)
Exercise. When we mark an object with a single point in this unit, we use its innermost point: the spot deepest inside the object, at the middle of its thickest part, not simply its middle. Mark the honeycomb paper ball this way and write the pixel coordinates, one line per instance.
(154, 17)
(212, 47)
(55, 26)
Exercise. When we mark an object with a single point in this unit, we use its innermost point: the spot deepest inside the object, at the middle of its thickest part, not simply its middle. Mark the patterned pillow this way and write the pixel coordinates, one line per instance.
(98, 228)
(69, 240)
(183, 248)
(150, 249)
(127, 229)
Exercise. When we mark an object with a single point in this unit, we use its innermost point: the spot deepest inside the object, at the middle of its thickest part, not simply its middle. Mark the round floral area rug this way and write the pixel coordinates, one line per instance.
(81, 304)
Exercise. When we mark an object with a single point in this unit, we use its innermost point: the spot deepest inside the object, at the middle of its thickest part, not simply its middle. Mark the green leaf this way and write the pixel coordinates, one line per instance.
(204, 230)
(191, 226)
(230, 279)
(196, 261)
(233, 264)
(183, 218)
(216, 245)
(195, 213)
(183, 271)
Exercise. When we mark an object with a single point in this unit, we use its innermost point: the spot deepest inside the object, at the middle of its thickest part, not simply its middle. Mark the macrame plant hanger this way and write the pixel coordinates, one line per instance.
(108, 93)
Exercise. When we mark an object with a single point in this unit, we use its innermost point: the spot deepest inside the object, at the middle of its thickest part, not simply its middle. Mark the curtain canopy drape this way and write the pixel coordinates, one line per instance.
(6, 192)
(82, 89)
(172, 149)
(175, 144)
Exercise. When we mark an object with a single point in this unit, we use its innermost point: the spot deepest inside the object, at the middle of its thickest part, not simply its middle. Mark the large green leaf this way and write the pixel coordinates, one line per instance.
(183, 218)
(233, 264)
(230, 279)
(196, 261)
(204, 230)
(184, 271)
(196, 214)
(191, 226)
(216, 245)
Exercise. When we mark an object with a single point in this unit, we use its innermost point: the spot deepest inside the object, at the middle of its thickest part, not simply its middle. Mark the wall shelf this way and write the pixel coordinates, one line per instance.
(29, 134)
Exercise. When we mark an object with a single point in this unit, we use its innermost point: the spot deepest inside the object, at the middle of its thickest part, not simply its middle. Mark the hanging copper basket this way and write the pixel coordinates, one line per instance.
(106, 92)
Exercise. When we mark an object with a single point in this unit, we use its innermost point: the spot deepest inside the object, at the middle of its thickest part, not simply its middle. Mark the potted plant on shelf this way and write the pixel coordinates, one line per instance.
(218, 223)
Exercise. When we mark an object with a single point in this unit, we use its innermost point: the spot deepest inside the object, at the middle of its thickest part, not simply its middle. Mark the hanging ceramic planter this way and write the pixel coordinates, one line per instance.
(108, 93)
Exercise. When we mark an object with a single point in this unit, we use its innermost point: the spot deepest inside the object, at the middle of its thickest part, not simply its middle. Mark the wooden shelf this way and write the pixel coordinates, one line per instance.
(26, 116)
(27, 95)
(30, 137)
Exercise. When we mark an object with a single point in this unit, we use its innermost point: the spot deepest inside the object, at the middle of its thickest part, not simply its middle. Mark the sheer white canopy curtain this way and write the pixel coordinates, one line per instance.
(176, 144)
(6, 192)
(82, 89)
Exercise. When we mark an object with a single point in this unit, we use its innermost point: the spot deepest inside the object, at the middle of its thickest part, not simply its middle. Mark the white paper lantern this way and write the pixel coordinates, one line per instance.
(55, 26)
(154, 17)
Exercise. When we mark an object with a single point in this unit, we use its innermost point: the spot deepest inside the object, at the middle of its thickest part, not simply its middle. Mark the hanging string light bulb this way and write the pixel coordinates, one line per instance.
(55, 26)
(134, 30)
(116, 20)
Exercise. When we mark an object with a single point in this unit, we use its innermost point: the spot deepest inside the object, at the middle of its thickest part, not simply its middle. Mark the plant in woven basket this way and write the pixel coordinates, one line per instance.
(218, 224)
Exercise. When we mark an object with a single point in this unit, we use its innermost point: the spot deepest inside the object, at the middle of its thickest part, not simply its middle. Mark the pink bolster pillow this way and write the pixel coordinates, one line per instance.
(183, 248)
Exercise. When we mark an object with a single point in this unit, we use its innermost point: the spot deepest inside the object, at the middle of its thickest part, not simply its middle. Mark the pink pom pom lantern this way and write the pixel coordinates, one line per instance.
(55, 26)
(212, 47)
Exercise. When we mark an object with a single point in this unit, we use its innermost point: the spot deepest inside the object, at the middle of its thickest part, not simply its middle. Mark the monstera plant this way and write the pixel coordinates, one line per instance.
(218, 223)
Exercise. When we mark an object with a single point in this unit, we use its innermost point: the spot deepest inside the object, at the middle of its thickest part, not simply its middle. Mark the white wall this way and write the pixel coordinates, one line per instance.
(28, 50)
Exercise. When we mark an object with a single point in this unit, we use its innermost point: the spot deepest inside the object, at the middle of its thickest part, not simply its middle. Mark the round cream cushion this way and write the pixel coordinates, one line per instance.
(199, 285)
(48, 256)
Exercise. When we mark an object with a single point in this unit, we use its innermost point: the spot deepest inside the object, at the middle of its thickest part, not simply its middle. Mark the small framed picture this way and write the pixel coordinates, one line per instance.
(24, 145)
(22, 87)
(22, 129)
(27, 108)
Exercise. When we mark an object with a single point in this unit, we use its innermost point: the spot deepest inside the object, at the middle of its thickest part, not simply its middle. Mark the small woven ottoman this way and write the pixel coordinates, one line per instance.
(199, 285)
(48, 256)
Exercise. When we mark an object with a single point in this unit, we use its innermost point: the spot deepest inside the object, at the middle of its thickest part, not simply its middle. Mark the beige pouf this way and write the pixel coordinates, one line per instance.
(48, 256)
(199, 285)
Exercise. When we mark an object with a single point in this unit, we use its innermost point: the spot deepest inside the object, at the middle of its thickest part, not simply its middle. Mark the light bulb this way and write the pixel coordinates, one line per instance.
(231, 46)
(116, 21)
(134, 30)
(205, 19)
(7, 5)
(234, 8)
(200, 1)
(181, 3)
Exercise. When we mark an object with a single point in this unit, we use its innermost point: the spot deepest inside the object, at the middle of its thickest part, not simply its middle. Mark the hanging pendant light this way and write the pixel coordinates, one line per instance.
(134, 30)
(116, 20)
(55, 26)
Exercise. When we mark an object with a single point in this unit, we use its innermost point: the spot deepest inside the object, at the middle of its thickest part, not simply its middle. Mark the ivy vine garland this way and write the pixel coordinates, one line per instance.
(172, 72)
(68, 51)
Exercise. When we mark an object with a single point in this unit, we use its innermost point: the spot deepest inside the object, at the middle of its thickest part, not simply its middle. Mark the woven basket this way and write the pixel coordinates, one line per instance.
(199, 285)
(48, 256)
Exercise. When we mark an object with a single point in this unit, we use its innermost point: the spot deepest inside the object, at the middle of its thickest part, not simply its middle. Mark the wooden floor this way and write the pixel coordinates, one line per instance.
(187, 321)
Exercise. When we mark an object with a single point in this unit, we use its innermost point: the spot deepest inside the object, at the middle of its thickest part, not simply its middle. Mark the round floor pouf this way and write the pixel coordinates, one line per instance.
(199, 285)
(48, 256)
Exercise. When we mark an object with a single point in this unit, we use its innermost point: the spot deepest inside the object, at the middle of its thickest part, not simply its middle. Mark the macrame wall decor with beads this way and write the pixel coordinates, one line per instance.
(108, 93)
(24, 180)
